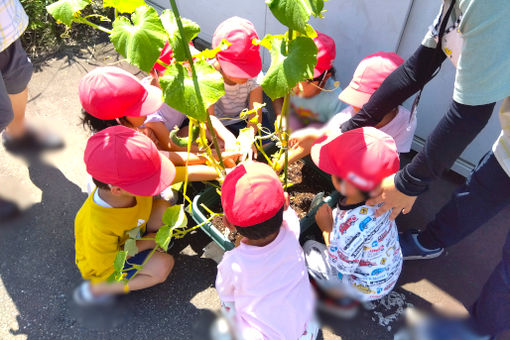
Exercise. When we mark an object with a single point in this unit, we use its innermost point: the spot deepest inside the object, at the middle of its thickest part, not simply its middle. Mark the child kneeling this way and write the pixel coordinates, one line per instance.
(128, 171)
(361, 259)
(263, 284)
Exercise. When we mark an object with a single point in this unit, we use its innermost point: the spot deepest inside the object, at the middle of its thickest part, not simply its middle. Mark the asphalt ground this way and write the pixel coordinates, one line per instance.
(38, 274)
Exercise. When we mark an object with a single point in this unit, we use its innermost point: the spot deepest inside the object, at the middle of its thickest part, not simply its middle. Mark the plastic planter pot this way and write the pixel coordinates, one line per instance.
(210, 198)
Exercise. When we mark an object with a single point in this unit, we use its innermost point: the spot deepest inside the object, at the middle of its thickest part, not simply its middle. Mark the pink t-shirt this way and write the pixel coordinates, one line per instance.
(269, 285)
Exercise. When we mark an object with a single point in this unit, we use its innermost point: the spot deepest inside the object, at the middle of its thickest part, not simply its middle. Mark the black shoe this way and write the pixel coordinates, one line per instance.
(32, 140)
(8, 210)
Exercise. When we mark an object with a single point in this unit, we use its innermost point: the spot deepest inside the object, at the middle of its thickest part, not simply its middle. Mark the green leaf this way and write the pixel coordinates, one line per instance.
(163, 237)
(295, 13)
(175, 217)
(130, 247)
(120, 259)
(124, 6)
(287, 70)
(141, 42)
(179, 89)
(133, 233)
(64, 10)
(191, 29)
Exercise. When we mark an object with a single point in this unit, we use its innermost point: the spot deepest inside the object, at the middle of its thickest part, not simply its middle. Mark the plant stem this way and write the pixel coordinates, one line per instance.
(82, 20)
(285, 113)
(195, 82)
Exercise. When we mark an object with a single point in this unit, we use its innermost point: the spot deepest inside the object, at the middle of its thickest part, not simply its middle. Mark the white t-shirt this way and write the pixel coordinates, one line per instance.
(269, 285)
(400, 128)
(235, 100)
(365, 251)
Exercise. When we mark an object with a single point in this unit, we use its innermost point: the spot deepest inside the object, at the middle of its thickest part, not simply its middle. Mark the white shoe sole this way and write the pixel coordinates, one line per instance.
(424, 257)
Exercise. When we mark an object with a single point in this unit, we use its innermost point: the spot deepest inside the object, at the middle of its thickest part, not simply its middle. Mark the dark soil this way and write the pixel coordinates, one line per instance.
(301, 194)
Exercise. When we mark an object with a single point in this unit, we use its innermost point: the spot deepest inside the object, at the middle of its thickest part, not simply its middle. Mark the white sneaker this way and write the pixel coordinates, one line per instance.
(83, 296)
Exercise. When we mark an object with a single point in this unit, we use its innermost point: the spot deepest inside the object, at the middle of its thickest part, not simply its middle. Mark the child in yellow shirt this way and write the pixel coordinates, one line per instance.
(128, 171)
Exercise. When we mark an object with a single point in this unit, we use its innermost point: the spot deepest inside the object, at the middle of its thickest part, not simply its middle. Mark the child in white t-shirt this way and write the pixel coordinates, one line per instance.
(367, 78)
(361, 259)
(263, 284)
(241, 67)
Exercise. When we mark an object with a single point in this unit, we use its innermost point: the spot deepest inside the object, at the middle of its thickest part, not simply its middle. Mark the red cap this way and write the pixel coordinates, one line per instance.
(123, 157)
(363, 157)
(326, 54)
(252, 193)
(241, 59)
(165, 56)
(110, 92)
(368, 76)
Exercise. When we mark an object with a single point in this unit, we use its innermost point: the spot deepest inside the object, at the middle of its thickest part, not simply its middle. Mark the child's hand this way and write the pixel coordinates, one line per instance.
(304, 139)
(324, 218)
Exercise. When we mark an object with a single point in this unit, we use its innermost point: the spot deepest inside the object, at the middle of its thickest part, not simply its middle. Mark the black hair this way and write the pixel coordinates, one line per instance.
(95, 124)
(366, 194)
(263, 229)
(100, 184)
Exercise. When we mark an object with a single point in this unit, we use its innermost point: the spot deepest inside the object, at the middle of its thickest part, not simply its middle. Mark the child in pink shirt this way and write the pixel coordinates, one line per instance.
(263, 284)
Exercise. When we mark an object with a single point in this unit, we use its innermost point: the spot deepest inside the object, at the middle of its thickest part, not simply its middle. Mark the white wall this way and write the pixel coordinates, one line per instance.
(360, 28)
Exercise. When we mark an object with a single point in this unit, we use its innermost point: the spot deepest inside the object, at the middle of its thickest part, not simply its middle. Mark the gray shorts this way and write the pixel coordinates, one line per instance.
(15, 73)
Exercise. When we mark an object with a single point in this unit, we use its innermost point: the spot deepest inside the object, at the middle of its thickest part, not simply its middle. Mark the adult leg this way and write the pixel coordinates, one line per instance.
(485, 193)
(401, 84)
(491, 312)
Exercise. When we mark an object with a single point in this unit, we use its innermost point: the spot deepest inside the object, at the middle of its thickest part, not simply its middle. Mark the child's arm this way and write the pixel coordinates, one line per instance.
(195, 173)
(255, 97)
(324, 219)
(300, 143)
(163, 135)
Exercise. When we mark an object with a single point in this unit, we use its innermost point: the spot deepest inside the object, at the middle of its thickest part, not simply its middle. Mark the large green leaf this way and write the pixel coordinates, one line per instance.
(179, 89)
(295, 13)
(175, 39)
(163, 237)
(287, 70)
(141, 42)
(63, 10)
(124, 6)
(175, 217)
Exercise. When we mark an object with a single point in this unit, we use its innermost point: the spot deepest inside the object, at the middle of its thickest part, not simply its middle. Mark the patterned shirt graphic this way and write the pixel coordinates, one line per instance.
(235, 100)
(365, 251)
(13, 22)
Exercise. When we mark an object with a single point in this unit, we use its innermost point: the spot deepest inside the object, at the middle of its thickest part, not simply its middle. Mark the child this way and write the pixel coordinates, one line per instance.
(361, 258)
(315, 101)
(367, 78)
(263, 284)
(128, 171)
(111, 96)
(241, 67)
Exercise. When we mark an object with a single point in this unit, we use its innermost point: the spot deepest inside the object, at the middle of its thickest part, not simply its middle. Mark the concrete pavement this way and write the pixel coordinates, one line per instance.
(37, 271)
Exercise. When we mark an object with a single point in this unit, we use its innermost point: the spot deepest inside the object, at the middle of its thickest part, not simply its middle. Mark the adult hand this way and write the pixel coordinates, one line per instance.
(392, 198)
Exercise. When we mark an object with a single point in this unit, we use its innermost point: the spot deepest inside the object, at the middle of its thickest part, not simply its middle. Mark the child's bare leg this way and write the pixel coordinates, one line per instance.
(158, 209)
(155, 271)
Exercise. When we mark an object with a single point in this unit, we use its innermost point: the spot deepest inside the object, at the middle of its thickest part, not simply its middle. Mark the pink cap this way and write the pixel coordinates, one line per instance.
(110, 92)
(123, 157)
(252, 193)
(326, 54)
(368, 76)
(363, 157)
(242, 58)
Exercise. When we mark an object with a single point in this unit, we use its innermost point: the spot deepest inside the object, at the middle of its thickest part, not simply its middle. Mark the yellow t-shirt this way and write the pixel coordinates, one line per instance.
(100, 233)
